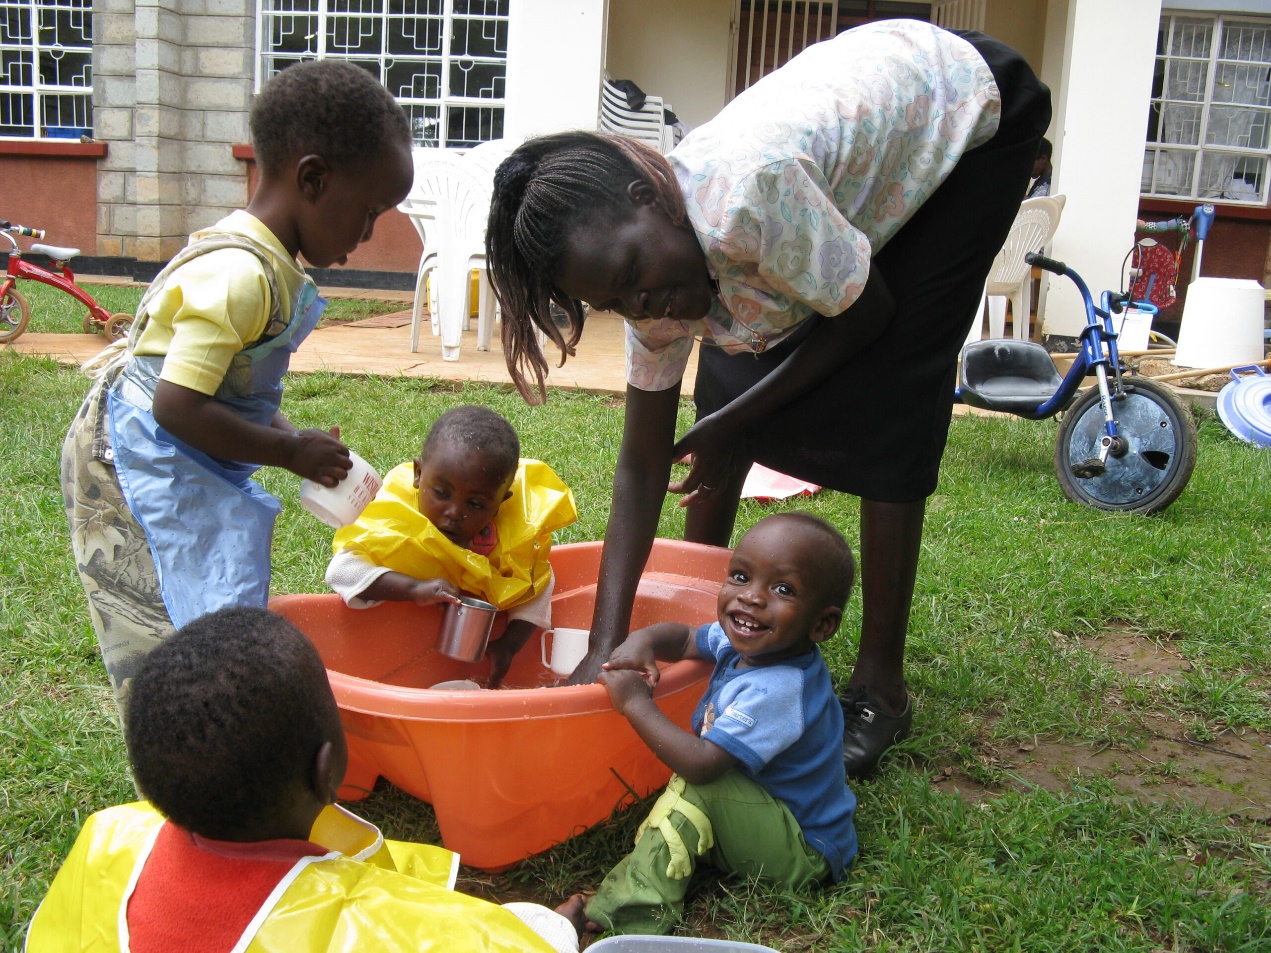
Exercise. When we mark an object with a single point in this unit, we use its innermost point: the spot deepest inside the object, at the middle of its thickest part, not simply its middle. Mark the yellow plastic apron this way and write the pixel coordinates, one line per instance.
(392, 532)
(366, 894)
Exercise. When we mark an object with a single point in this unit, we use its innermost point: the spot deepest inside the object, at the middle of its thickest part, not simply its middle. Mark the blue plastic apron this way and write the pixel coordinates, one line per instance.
(209, 526)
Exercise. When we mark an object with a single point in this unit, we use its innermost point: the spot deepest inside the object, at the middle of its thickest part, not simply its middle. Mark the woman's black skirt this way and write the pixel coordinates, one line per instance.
(877, 428)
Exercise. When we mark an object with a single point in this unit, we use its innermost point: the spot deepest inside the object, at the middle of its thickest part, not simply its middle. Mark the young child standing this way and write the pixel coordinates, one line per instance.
(759, 787)
(468, 515)
(165, 523)
(234, 737)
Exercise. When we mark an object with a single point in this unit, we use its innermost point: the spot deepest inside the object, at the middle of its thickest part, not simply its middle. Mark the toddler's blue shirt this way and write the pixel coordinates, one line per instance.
(784, 724)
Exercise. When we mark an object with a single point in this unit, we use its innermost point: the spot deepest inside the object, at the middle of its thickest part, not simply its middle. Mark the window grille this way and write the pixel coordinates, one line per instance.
(769, 33)
(46, 85)
(1211, 106)
(444, 60)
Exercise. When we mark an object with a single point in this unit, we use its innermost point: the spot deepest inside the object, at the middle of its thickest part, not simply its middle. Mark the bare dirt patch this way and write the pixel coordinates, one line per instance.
(1230, 774)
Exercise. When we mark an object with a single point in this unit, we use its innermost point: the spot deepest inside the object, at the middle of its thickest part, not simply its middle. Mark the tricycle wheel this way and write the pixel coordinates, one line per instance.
(1159, 456)
(118, 326)
(91, 324)
(15, 315)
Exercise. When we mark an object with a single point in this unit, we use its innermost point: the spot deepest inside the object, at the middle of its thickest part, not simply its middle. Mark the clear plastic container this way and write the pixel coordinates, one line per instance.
(674, 944)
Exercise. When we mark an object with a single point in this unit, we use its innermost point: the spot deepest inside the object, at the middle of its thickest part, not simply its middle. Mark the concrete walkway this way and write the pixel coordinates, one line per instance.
(381, 346)
(373, 346)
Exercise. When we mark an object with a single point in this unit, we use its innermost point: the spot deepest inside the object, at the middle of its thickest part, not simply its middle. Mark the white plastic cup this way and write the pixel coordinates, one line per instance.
(341, 504)
(569, 647)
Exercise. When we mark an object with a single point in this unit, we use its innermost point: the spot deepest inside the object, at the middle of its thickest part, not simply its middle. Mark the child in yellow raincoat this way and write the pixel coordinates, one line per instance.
(234, 736)
(467, 516)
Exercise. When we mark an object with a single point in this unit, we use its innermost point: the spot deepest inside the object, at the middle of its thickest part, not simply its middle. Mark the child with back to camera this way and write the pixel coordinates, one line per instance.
(235, 739)
(165, 523)
(467, 516)
(759, 787)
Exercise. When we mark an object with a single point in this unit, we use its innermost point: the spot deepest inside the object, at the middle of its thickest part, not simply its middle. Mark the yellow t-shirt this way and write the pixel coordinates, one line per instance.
(212, 307)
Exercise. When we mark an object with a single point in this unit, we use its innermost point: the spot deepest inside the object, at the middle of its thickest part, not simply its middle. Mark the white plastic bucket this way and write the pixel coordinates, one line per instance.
(1222, 323)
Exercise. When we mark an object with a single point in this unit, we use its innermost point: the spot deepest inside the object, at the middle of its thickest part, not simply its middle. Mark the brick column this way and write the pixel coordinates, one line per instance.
(114, 99)
(172, 87)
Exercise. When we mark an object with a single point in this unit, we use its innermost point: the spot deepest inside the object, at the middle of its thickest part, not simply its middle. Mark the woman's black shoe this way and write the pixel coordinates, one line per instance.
(868, 732)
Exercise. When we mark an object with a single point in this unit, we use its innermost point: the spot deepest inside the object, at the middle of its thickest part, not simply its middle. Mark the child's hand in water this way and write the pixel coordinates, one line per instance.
(318, 455)
(427, 592)
(624, 686)
(503, 649)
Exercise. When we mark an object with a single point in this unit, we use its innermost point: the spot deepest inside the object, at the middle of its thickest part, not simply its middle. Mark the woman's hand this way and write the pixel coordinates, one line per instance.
(586, 671)
(639, 489)
(710, 441)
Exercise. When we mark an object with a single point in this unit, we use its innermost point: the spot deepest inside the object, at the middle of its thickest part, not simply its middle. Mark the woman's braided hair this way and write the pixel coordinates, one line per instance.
(543, 190)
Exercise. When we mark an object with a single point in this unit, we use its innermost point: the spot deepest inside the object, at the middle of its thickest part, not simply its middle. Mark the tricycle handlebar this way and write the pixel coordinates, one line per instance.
(1046, 264)
(21, 230)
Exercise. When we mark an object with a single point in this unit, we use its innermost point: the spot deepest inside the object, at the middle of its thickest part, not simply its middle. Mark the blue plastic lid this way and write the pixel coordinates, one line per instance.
(1244, 405)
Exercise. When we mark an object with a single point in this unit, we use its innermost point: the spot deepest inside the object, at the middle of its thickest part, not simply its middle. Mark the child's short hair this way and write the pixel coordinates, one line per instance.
(328, 108)
(478, 429)
(836, 564)
(225, 719)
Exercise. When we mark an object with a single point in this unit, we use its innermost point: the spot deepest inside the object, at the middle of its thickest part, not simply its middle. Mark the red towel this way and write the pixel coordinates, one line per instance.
(198, 895)
(764, 484)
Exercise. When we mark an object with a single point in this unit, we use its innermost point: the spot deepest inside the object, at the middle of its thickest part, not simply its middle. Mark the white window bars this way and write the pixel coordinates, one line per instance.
(769, 33)
(46, 87)
(444, 60)
(1210, 118)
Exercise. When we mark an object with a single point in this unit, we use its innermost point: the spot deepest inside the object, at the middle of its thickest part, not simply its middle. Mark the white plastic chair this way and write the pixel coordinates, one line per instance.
(422, 212)
(1011, 276)
(648, 123)
(449, 203)
(486, 156)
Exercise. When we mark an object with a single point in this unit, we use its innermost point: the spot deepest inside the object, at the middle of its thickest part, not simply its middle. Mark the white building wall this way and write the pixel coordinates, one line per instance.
(555, 60)
(674, 49)
(1101, 81)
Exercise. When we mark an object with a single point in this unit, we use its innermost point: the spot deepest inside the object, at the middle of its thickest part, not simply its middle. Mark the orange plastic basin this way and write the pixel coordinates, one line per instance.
(509, 772)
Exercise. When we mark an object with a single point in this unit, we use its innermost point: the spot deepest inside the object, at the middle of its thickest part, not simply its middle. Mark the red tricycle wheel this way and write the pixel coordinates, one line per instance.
(118, 326)
(91, 326)
(15, 314)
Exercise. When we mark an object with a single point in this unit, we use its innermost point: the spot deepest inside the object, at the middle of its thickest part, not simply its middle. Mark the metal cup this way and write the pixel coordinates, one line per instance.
(465, 629)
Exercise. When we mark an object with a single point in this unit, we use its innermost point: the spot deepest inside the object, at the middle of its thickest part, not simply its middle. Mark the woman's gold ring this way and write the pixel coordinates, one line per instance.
(708, 489)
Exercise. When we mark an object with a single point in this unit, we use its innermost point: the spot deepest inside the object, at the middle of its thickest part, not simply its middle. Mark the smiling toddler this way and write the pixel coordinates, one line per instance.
(759, 787)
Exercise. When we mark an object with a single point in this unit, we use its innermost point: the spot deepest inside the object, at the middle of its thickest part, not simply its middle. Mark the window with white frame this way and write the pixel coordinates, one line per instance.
(1208, 128)
(46, 86)
(444, 60)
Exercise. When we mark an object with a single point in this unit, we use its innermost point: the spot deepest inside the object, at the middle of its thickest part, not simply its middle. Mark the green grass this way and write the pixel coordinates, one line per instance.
(1014, 586)
(55, 312)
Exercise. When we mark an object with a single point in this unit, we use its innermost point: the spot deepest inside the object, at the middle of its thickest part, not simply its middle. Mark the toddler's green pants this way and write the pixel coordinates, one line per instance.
(732, 824)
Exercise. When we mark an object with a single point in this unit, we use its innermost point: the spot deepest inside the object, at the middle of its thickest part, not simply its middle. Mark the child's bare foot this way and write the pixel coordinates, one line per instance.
(574, 910)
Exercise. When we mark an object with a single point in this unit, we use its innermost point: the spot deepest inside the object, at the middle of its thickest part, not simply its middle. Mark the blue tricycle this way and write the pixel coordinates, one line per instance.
(1127, 444)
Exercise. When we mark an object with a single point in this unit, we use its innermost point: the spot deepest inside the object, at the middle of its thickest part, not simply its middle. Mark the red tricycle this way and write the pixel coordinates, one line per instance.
(15, 313)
